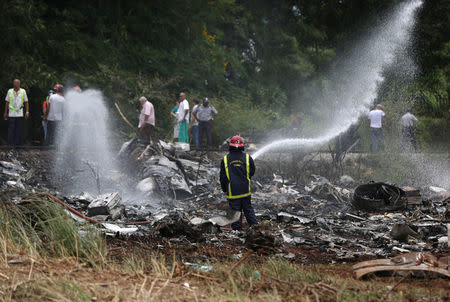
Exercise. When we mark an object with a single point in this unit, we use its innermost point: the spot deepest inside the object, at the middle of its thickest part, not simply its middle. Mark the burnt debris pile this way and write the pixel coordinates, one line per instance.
(173, 196)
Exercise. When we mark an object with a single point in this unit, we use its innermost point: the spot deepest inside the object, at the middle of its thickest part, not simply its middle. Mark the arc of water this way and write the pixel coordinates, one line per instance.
(363, 69)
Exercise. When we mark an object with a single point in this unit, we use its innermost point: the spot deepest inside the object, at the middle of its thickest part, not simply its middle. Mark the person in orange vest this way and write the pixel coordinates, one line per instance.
(44, 112)
(15, 100)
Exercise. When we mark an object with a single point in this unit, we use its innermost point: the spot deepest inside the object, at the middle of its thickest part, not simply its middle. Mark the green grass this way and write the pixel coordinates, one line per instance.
(150, 275)
(48, 289)
(42, 228)
(285, 281)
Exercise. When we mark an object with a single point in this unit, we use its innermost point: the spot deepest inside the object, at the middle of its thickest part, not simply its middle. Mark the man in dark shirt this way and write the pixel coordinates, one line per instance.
(236, 170)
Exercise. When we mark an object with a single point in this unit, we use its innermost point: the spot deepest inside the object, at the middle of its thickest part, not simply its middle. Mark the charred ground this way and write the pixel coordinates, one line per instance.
(305, 227)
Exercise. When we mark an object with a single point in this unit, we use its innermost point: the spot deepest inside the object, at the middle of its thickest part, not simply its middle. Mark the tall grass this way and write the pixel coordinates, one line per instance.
(42, 228)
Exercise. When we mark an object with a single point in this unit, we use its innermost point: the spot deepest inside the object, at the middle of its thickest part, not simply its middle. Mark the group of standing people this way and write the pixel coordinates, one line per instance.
(16, 101)
(407, 122)
(199, 123)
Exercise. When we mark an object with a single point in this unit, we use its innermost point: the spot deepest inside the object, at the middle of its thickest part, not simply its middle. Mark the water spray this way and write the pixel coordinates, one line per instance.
(363, 71)
(85, 158)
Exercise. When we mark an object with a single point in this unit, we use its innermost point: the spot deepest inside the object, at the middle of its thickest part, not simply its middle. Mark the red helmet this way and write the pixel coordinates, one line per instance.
(236, 141)
(58, 87)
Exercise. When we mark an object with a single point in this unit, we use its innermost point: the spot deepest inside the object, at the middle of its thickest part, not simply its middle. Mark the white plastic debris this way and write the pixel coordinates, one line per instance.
(184, 147)
(15, 184)
(114, 228)
(401, 250)
(437, 189)
(289, 256)
(443, 239)
(10, 173)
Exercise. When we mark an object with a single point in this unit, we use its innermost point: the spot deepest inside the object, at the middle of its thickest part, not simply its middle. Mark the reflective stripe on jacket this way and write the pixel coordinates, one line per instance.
(236, 170)
(11, 105)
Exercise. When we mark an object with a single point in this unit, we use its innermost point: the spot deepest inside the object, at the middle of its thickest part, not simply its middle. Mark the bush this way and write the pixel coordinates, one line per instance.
(433, 131)
(241, 117)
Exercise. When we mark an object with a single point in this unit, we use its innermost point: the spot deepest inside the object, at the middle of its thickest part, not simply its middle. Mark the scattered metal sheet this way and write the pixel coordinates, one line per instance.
(12, 166)
(290, 217)
(417, 261)
(107, 204)
(230, 217)
(401, 232)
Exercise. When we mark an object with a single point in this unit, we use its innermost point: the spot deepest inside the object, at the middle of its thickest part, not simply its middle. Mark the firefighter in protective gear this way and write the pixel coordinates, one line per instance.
(236, 171)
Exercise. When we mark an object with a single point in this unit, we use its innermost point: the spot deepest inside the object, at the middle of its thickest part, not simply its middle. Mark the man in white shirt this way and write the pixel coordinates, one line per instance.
(146, 120)
(54, 113)
(183, 119)
(16, 99)
(376, 131)
(408, 132)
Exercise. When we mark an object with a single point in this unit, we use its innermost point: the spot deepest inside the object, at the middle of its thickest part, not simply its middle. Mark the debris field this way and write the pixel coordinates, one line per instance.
(171, 199)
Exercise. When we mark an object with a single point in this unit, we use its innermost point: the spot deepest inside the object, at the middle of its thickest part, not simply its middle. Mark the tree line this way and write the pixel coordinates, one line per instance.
(252, 58)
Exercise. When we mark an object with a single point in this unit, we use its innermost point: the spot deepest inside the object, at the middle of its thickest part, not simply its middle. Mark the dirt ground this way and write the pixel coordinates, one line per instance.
(132, 272)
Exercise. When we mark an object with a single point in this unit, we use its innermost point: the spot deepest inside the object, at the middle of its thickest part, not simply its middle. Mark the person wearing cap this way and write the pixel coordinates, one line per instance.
(408, 132)
(16, 99)
(236, 170)
(193, 126)
(204, 115)
(44, 110)
(54, 113)
(146, 119)
(376, 131)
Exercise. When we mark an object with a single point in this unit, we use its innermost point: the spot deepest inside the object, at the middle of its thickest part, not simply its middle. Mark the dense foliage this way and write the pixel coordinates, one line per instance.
(253, 58)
